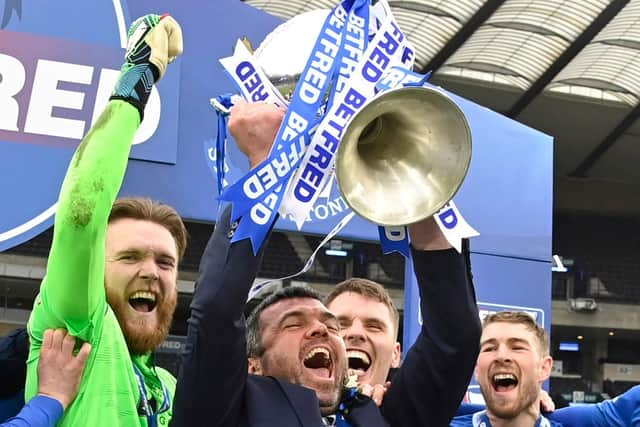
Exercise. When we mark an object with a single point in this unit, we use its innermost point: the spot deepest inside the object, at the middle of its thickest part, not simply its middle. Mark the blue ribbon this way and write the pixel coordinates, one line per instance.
(341, 421)
(394, 239)
(270, 202)
(361, 11)
(221, 139)
(343, 407)
(423, 79)
(400, 76)
(249, 229)
(294, 135)
(257, 196)
(152, 416)
(288, 133)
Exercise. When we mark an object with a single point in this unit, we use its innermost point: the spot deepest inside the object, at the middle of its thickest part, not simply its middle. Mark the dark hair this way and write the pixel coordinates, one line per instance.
(522, 318)
(146, 209)
(369, 289)
(254, 328)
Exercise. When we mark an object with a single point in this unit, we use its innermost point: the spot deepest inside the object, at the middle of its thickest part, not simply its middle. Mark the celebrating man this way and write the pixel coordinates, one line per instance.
(369, 323)
(297, 358)
(368, 318)
(112, 270)
(513, 363)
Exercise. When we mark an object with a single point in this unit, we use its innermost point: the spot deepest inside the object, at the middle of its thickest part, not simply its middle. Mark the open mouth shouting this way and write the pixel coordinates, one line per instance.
(504, 382)
(359, 362)
(143, 301)
(318, 361)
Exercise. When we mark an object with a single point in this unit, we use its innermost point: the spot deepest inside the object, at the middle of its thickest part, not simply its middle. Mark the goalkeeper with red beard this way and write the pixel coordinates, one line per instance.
(112, 271)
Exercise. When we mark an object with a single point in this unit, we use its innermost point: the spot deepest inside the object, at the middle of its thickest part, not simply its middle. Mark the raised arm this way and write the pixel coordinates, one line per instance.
(429, 386)
(214, 369)
(74, 283)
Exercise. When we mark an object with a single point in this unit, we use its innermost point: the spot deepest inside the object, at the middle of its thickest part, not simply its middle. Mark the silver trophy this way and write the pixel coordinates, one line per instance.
(403, 156)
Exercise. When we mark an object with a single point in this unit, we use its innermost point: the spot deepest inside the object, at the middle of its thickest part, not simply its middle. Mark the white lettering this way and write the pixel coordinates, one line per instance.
(324, 214)
(281, 165)
(268, 176)
(322, 62)
(46, 95)
(337, 19)
(260, 213)
(252, 187)
(335, 206)
(295, 125)
(355, 21)
(395, 234)
(12, 78)
(264, 179)
(308, 93)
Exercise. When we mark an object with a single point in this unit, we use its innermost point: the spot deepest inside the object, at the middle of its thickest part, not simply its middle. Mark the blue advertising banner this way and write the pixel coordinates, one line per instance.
(58, 66)
(501, 283)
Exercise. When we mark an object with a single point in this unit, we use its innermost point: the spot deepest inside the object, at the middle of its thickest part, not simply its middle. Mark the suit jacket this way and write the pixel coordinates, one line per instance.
(215, 389)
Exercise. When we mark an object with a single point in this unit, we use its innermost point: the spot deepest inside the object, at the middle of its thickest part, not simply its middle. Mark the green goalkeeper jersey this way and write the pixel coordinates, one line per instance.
(72, 294)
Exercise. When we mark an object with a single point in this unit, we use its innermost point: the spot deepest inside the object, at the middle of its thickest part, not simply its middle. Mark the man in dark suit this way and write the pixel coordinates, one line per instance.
(297, 360)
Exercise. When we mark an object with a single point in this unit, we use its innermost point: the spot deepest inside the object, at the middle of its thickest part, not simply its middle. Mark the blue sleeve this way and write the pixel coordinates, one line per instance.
(462, 420)
(41, 411)
(432, 381)
(469, 408)
(10, 406)
(576, 416)
(623, 411)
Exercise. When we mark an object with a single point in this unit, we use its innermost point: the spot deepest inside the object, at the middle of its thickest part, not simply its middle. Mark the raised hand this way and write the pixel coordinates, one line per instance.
(254, 127)
(546, 402)
(153, 42)
(375, 392)
(427, 236)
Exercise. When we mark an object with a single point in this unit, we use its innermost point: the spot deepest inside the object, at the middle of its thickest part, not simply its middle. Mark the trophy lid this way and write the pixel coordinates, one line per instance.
(284, 52)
